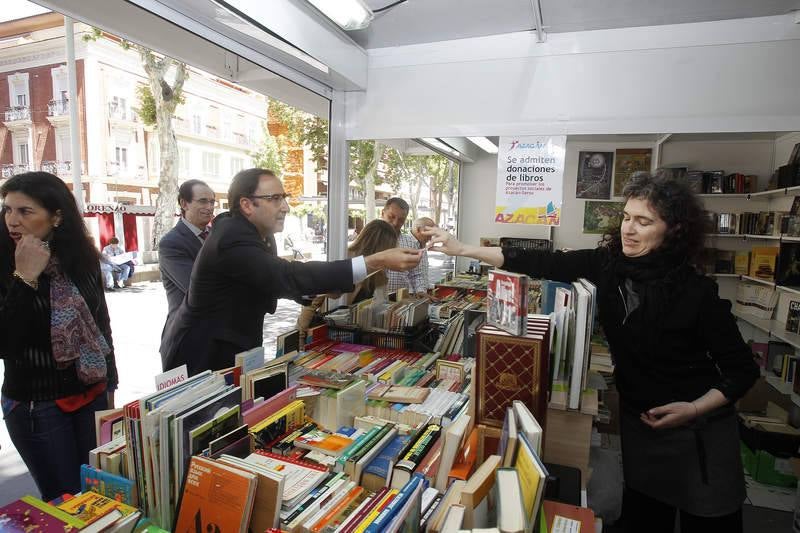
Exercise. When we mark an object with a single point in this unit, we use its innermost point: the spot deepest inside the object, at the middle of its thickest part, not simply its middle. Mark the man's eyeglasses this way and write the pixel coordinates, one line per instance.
(272, 197)
(206, 201)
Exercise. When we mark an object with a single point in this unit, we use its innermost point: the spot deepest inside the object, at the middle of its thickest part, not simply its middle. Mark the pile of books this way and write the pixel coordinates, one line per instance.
(343, 437)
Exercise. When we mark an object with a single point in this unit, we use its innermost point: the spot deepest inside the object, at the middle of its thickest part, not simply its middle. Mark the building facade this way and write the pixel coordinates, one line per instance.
(218, 126)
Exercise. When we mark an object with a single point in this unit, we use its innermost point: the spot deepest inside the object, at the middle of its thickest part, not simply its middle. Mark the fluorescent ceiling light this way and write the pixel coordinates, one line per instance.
(484, 144)
(240, 15)
(349, 14)
(436, 143)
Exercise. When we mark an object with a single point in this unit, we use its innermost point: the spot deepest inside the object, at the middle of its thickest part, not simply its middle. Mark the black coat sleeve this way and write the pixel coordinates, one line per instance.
(734, 359)
(556, 266)
(16, 314)
(249, 262)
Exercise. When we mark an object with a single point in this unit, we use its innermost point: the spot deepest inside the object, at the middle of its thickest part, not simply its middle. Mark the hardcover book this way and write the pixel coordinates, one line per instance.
(511, 368)
(793, 317)
(507, 301)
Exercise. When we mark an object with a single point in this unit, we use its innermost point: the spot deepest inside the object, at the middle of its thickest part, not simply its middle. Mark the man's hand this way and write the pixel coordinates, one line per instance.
(441, 241)
(400, 259)
(670, 415)
(31, 257)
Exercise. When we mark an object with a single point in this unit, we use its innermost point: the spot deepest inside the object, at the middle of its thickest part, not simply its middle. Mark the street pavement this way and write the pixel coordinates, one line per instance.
(137, 318)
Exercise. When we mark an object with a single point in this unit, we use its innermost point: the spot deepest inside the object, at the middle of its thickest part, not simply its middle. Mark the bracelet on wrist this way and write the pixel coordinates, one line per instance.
(32, 283)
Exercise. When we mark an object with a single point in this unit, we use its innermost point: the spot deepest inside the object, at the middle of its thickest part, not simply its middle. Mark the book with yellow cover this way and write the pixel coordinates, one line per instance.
(90, 506)
(280, 423)
(763, 260)
(532, 478)
(387, 498)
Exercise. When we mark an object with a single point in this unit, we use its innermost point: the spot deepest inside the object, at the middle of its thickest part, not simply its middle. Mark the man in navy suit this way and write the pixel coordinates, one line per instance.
(178, 249)
(238, 278)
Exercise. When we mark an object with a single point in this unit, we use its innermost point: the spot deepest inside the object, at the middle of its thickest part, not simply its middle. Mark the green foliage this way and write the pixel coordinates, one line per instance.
(319, 211)
(289, 116)
(315, 137)
(147, 105)
(270, 155)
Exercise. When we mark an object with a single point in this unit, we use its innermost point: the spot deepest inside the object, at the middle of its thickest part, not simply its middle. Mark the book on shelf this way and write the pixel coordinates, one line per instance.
(511, 368)
(301, 477)
(511, 515)
(109, 485)
(793, 317)
(454, 437)
(415, 451)
(477, 495)
(788, 269)
(507, 301)
(215, 496)
(558, 516)
(532, 477)
(268, 495)
(97, 511)
(763, 262)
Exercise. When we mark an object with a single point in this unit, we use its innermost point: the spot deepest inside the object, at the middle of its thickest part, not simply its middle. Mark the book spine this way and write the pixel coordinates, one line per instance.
(385, 516)
(357, 445)
(411, 459)
(375, 439)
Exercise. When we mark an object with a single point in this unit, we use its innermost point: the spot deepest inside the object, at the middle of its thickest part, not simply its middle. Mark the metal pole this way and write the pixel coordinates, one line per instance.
(74, 139)
(337, 181)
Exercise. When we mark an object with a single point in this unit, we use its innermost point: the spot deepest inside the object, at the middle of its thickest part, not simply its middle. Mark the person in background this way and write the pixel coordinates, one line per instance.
(238, 277)
(112, 273)
(55, 334)
(115, 274)
(395, 213)
(681, 363)
(376, 236)
(178, 249)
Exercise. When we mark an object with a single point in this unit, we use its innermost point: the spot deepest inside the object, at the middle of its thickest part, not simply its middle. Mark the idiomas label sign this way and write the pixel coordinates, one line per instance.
(530, 177)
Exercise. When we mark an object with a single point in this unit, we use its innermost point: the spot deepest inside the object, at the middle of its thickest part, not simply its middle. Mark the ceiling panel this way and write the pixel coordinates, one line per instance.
(580, 15)
(425, 21)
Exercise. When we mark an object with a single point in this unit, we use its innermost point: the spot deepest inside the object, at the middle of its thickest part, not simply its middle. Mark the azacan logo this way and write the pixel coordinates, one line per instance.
(516, 144)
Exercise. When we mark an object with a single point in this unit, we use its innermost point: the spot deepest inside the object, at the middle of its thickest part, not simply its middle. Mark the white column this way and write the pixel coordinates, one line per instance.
(74, 131)
(337, 181)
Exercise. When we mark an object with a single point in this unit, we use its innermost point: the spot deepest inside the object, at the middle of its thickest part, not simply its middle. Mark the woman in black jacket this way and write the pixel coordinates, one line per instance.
(680, 360)
(55, 335)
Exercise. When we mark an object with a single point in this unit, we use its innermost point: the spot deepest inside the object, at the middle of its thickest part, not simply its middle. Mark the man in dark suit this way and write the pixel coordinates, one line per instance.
(178, 249)
(238, 277)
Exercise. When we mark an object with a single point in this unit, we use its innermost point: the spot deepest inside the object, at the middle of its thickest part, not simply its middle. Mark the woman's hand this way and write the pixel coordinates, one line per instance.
(670, 415)
(442, 241)
(31, 257)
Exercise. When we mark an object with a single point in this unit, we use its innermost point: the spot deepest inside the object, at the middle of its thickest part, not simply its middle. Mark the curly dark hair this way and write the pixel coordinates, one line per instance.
(71, 242)
(677, 205)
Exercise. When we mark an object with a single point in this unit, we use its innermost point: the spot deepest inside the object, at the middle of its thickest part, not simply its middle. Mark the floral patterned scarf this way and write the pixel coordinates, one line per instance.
(74, 334)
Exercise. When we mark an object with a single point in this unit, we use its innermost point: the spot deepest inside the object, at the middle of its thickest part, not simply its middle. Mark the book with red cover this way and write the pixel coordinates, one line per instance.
(583, 515)
(511, 368)
(507, 301)
(30, 514)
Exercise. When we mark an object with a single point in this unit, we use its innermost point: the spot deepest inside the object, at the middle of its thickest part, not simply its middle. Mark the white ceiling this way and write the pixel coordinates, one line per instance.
(423, 21)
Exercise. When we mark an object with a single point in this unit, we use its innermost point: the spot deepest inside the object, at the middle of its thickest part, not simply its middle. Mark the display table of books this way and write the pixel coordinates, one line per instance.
(342, 437)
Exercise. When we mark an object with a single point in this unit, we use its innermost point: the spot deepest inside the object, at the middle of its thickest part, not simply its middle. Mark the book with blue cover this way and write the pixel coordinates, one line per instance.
(377, 472)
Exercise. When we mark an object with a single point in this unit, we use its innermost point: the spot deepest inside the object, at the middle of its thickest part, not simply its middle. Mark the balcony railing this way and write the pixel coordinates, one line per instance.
(118, 112)
(10, 169)
(58, 108)
(22, 112)
(115, 169)
(59, 168)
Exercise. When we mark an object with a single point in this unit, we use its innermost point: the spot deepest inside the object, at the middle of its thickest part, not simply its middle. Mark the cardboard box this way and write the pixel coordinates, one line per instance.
(767, 468)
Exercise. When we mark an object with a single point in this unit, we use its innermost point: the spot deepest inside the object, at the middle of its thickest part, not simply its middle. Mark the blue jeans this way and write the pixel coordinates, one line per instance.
(54, 444)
